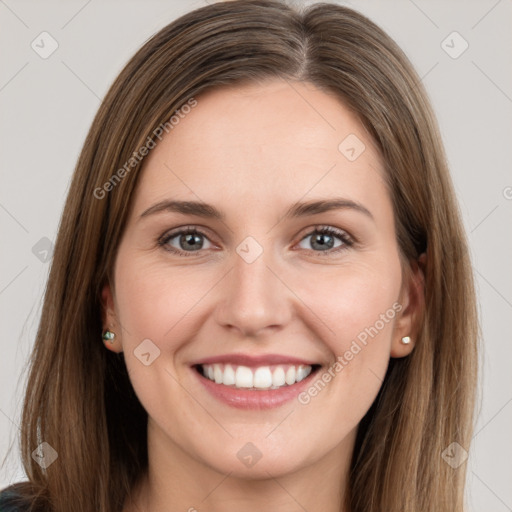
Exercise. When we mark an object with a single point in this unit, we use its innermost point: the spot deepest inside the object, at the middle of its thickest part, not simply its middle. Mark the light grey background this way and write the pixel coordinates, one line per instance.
(47, 106)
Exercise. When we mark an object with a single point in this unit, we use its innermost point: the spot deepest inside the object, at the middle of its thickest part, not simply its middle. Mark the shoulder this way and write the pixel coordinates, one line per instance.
(12, 501)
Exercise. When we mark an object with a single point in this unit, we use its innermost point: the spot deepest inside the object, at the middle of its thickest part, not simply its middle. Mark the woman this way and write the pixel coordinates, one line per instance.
(317, 348)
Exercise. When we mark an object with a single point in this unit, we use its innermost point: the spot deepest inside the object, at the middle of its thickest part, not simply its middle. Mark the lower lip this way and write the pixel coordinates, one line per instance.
(241, 398)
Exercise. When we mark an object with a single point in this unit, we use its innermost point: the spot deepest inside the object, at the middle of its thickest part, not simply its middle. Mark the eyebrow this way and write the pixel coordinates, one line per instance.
(299, 209)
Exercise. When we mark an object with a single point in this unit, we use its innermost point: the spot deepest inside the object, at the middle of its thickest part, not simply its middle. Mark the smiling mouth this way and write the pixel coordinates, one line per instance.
(257, 378)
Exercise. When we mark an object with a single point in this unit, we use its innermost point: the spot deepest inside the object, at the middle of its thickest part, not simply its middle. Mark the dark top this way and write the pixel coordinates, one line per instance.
(11, 501)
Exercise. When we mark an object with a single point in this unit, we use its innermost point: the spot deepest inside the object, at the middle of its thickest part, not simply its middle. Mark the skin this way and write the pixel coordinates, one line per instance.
(252, 151)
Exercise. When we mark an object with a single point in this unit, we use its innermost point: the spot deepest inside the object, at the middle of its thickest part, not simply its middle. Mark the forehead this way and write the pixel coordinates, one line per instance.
(263, 142)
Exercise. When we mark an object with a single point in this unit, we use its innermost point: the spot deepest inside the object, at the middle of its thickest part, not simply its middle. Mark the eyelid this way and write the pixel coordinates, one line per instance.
(174, 232)
(346, 238)
(335, 231)
(189, 228)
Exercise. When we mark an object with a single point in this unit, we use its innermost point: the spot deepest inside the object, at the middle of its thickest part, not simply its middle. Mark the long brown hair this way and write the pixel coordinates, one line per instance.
(79, 398)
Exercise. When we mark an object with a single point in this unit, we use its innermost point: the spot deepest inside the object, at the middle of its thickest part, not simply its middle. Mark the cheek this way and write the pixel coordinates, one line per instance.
(358, 308)
(157, 304)
(154, 302)
(355, 303)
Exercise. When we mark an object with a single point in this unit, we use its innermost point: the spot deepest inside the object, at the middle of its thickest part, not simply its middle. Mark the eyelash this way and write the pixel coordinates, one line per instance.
(322, 230)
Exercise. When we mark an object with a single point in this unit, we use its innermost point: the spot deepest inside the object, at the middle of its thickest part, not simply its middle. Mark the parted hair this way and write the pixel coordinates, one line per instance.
(79, 397)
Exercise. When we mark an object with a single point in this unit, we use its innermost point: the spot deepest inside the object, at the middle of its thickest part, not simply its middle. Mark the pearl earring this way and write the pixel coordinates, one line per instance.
(108, 336)
(406, 340)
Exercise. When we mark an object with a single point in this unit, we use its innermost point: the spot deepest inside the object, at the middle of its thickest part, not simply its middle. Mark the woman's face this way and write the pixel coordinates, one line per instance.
(192, 289)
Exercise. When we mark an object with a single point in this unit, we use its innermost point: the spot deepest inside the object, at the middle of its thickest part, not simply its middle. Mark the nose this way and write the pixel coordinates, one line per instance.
(254, 298)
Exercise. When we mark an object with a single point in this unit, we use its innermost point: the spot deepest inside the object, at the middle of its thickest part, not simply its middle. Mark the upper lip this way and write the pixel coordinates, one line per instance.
(253, 360)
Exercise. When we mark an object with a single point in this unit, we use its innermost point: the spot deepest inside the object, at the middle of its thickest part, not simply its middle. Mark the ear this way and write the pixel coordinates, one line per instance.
(412, 299)
(109, 319)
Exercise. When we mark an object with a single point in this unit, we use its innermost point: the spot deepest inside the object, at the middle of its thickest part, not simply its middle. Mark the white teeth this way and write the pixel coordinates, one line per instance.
(229, 375)
(217, 374)
(290, 375)
(243, 377)
(263, 377)
(302, 373)
(278, 378)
